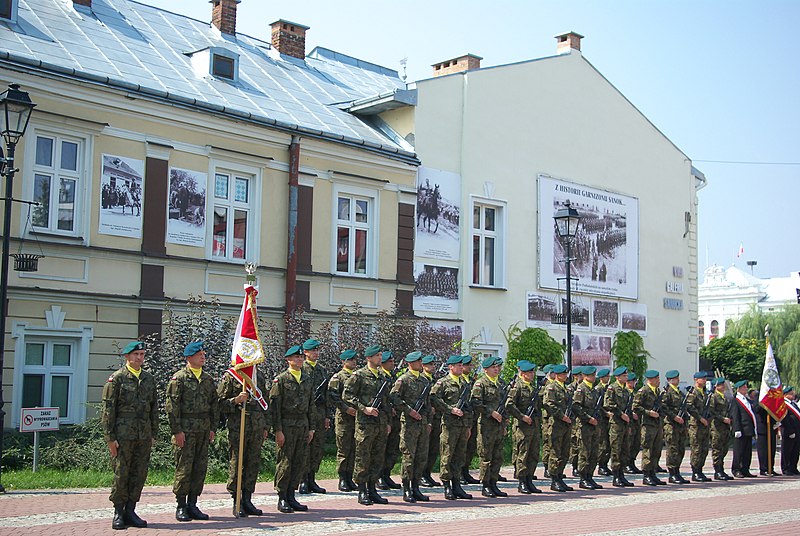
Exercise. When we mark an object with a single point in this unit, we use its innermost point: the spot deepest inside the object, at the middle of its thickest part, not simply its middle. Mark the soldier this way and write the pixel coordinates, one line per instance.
(556, 400)
(231, 398)
(367, 390)
(435, 421)
(604, 377)
(647, 404)
(320, 421)
(548, 377)
(719, 415)
(291, 402)
(392, 441)
(699, 430)
(524, 405)
(616, 403)
(790, 443)
(410, 396)
(587, 406)
(634, 430)
(574, 448)
(130, 427)
(675, 432)
(345, 422)
(472, 441)
(744, 424)
(450, 397)
(193, 415)
(488, 400)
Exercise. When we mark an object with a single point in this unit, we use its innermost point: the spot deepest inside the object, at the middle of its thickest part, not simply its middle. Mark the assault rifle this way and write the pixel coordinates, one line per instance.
(598, 406)
(707, 406)
(682, 410)
(568, 411)
(420, 403)
(322, 390)
(657, 404)
(532, 405)
(377, 402)
(501, 407)
(629, 405)
(463, 397)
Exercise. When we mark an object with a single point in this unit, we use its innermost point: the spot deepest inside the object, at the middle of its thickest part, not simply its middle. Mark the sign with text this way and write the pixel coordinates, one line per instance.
(38, 419)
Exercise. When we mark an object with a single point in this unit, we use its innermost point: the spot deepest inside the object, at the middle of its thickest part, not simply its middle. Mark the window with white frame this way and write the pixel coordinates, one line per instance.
(233, 215)
(487, 244)
(47, 376)
(355, 227)
(58, 171)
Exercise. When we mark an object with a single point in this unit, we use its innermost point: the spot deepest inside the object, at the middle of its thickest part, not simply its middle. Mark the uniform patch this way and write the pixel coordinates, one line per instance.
(111, 378)
(275, 380)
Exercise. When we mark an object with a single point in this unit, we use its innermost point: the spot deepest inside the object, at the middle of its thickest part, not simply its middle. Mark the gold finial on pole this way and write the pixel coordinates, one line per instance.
(250, 268)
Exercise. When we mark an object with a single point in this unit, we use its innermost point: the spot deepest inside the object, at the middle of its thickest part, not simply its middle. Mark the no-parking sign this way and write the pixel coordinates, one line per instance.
(38, 419)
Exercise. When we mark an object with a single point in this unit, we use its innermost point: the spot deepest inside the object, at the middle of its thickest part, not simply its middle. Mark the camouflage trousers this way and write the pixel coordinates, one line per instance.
(720, 442)
(588, 441)
(619, 441)
(675, 438)
(699, 439)
(316, 448)
(130, 470)
(392, 446)
(490, 448)
(433, 444)
(574, 445)
(652, 442)
(527, 440)
(370, 442)
(251, 458)
(345, 428)
(560, 434)
(414, 448)
(634, 442)
(472, 445)
(604, 444)
(546, 428)
(453, 451)
(290, 459)
(191, 464)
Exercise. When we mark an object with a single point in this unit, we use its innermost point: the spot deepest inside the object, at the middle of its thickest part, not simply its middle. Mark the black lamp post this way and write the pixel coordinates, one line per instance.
(567, 220)
(16, 110)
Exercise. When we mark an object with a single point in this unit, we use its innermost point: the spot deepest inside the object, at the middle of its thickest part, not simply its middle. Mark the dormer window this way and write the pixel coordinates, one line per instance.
(215, 61)
(8, 9)
(223, 67)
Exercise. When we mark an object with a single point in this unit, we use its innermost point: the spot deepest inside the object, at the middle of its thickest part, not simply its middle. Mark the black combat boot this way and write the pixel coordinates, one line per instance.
(673, 478)
(418, 495)
(238, 512)
(660, 469)
(131, 518)
(591, 482)
(531, 486)
(283, 504)
(556, 484)
(632, 469)
(497, 491)
(387, 479)
(725, 475)
(522, 487)
(313, 487)
(304, 487)
(182, 513)
(193, 510)
(575, 472)
(501, 478)
(486, 489)
(296, 506)
(647, 479)
(363, 495)
(343, 486)
(249, 507)
(616, 481)
(448, 491)
(624, 480)
(657, 480)
(353, 486)
(680, 478)
(546, 472)
(698, 476)
(373, 495)
(584, 482)
(408, 494)
(381, 484)
(567, 488)
(603, 470)
(118, 523)
(458, 491)
(428, 481)
(467, 478)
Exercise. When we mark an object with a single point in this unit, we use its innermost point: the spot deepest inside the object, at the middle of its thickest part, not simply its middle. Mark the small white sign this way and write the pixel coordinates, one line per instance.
(38, 419)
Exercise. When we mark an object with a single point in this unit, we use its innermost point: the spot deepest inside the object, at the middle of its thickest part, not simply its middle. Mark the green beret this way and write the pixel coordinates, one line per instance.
(428, 359)
(632, 376)
(347, 354)
(491, 361)
(413, 356)
(132, 347)
(588, 370)
(466, 359)
(454, 360)
(698, 375)
(719, 380)
(294, 350)
(651, 374)
(671, 374)
(526, 366)
(603, 372)
(386, 356)
(559, 369)
(548, 368)
(788, 389)
(372, 350)
(311, 344)
(192, 348)
(577, 370)
(740, 383)
(619, 371)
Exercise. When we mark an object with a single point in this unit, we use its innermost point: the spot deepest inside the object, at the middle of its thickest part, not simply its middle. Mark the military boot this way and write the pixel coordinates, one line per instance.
(249, 507)
(698, 476)
(181, 512)
(381, 484)
(673, 478)
(556, 484)
(343, 486)
(373, 494)
(193, 510)
(428, 481)
(531, 486)
(418, 495)
(304, 487)
(238, 512)
(458, 491)
(467, 478)
(680, 478)
(522, 487)
(497, 491)
(617, 481)
(584, 482)
(725, 475)
(546, 472)
(658, 481)
(594, 484)
(632, 469)
(501, 478)
(408, 495)
(448, 491)
(313, 487)
(131, 518)
(296, 506)
(568, 488)
(118, 523)
(363, 495)
(350, 483)
(283, 504)
(603, 470)
(486, 489)
(388, 482)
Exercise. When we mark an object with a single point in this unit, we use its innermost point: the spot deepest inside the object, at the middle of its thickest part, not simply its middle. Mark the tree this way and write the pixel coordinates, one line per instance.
(737, 359)
(629, 351)
(533, 344)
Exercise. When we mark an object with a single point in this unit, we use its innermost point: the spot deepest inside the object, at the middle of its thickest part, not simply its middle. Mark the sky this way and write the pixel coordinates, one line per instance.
(717, 77)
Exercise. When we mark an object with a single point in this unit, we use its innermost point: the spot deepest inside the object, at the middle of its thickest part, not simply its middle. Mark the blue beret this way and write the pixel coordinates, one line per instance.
(526, 366)
(192, 348)
(603, 372)
(491, 361)
(619, 371)
(548, 368)
(466, 359)
(386, 356)
(788, 389)
(454, 360)
(559, 369)
(588, 370)
(651, 373)
(632, 376)
(294, 350)
(740, 383)
(671, 374)
(698, 375)
(311, 344)
(577, 370)
(413, 356)
(347, 354)
(428, 359)
(719, 380)
(372, 350)
(132, 347)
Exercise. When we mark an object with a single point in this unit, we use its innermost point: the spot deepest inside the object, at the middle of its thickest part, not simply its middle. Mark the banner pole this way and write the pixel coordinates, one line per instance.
(239, 466)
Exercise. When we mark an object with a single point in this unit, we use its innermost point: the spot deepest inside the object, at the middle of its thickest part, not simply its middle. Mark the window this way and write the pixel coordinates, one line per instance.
(714, 329)
(47, 376)
(355, 227)
(233, 193)
(223, 67)
(6, 9)
(58, 166)
(701, 334)
(487, 241)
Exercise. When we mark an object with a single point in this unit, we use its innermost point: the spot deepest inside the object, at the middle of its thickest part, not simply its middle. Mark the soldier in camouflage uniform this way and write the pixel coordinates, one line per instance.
(193, 416)
(720, 418)
(556, 400)
(488, 396)
(699, 430)
(472, 441)
(450, 398)
(524, 406)
(587, 406)
(574, 446)
(634, 431)
(345, 422)
(410, 397)
(256, 426)
(362, 390)
(392, 445)
(291, 405)
(548, 377)
(616, 403)
(429, 367)
(320, 419)
(603, 377)
(130, 427)
(647, 404)
(675, 433)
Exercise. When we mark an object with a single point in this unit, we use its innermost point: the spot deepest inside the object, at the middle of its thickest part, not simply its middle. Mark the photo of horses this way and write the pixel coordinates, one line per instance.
(438, 213)
(121, 195)
(186, 223)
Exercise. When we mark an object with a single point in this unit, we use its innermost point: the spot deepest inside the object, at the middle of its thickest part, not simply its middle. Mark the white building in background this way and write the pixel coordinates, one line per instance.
(728, 293)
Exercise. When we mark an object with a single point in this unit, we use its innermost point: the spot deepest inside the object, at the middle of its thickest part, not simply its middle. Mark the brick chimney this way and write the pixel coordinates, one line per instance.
(87, 3)
(289, 38)
(567, 42)
(223, 15)
(460, 64)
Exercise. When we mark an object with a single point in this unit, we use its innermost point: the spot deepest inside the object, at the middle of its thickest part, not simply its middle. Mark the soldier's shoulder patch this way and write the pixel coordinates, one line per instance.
(275, 380)
(174, 378)
(477, 384)
(111, 378)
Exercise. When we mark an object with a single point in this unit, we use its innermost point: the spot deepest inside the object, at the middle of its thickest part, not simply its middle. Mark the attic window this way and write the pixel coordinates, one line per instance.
(223, 67)
(6, 9)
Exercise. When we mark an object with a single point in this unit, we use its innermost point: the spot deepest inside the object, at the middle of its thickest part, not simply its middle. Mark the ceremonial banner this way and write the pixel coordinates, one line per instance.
(247, 351)
(771, 395)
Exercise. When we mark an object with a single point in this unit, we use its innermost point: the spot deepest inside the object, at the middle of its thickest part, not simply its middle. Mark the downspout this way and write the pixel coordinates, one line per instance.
(291, 260)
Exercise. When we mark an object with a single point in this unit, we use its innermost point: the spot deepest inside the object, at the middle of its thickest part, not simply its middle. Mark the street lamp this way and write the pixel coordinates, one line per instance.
(16, 110)
(567, 220)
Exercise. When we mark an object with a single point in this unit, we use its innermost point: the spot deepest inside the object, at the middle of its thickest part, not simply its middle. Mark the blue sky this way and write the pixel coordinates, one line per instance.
(719, 78)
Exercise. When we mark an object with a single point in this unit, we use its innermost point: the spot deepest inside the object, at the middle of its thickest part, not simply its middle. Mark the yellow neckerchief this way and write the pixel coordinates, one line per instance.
(312, 363)
(456, 379)
(132, 371)
(524, 383)
(675, 387)
(560, 383)
(413, 373)
(386, 372)
(196, 371)
(720, 393)
(374, 371)
(493, 380)
(296, 374)
(347, 370)
(588, 384)
(428, 375)
(654, 389)
(620, 384)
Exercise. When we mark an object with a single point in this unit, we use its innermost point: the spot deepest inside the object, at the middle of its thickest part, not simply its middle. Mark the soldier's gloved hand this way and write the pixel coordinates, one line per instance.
(112, 448)
(791, 436)
(738, 434)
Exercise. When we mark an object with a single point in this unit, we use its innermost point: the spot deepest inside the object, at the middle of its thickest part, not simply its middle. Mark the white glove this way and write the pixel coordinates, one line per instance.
(776, 426)
(737, 435)
(791, 436)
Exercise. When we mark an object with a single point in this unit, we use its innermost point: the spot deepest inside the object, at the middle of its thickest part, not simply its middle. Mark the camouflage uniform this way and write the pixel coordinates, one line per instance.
(615, 402)
(130, 417)
(486, 398)
(472, 442)
(291, 407)
(574, 438)
(405, 393)
(319, 412)
(453, 446)
(555, 400)
(698, 433)
(435, 420)
(344, 425)
(370, 434)
(527, 437)
(546, 429)
(634, 436)
(392, 441)
(584, 402)
(604, 445)
(720, 430)
(652, 436)
(675, 434)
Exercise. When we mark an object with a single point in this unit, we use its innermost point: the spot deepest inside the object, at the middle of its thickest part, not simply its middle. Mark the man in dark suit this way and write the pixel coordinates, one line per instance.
(743, 423)
(766, 445)
(790, 434)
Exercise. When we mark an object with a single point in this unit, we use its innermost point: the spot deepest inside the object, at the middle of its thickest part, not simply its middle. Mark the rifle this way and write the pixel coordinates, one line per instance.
(463, 397)
(682, 410)
(598, 406)
(657, 403)
(532, 405)
(377, 402)
(629, 405)
(501, 407)
(707, 406)
(420, 403)
(568, 411)
(322, 390)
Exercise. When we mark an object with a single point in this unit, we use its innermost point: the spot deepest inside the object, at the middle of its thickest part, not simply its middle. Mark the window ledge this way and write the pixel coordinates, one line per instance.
(55, 234)
(484, 287)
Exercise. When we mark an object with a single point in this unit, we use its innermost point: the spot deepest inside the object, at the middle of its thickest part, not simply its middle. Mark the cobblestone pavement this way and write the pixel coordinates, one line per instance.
(759, 505)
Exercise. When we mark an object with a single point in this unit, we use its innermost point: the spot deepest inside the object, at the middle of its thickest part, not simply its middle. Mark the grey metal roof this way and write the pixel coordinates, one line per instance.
(130, 45)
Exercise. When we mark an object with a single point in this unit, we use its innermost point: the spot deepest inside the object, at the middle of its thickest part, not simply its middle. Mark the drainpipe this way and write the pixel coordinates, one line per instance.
(291, 260)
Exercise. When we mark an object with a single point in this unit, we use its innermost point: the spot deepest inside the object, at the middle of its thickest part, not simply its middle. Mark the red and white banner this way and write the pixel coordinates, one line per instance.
(771, 395)
(247, 351)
